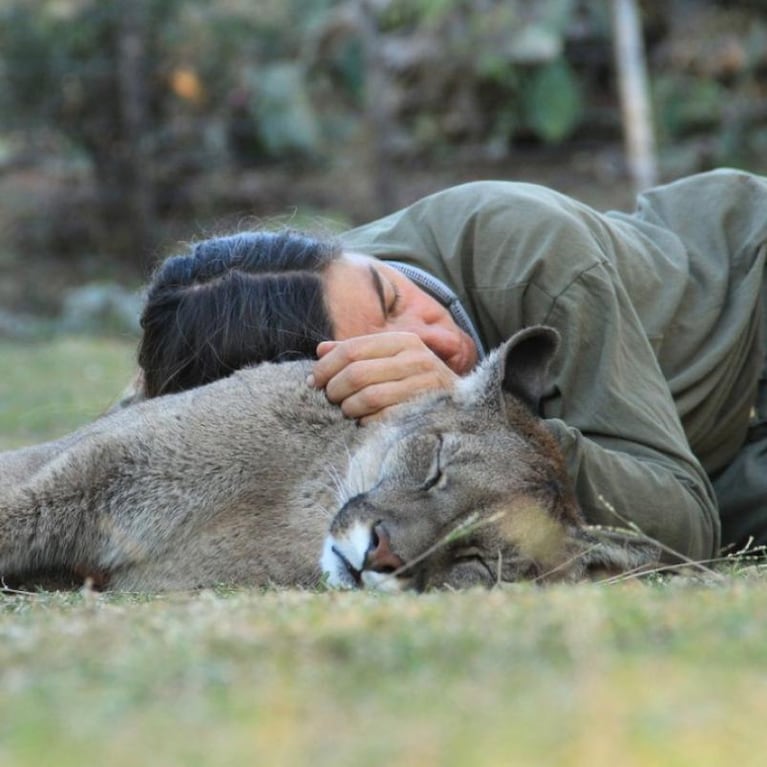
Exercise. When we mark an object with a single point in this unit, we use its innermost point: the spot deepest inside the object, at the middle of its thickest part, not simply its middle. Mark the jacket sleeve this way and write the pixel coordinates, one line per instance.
(616, 421)
(542, 258)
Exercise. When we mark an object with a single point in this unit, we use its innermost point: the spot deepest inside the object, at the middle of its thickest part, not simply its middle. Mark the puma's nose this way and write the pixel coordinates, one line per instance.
(379, 557)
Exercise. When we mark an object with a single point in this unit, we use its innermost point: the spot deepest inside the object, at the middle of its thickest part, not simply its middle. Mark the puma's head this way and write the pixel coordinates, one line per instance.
(469, 488)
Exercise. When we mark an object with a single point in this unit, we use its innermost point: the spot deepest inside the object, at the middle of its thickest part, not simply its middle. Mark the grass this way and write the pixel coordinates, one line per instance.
(659, 672)
(582, 675)
(48, 388)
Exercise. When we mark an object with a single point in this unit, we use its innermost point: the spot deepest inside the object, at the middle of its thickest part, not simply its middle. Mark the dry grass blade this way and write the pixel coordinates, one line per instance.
(459, 531)
(685, 560)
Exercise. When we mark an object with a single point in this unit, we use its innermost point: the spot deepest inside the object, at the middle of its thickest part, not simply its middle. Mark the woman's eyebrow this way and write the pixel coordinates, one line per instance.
(379, 288)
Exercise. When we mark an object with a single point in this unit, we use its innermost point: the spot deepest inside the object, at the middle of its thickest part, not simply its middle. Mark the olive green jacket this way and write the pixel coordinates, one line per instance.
(659, 312)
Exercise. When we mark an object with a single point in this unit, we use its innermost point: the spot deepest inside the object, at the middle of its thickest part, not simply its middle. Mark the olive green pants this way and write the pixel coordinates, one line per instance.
(741, 487)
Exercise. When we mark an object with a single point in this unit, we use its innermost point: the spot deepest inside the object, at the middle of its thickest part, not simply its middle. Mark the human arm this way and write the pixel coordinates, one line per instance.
(615, 419)
(520, 255)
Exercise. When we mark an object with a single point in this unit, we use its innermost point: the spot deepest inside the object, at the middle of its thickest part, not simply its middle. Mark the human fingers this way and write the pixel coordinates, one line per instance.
(412, 370)
(376, 400)
(335, 356)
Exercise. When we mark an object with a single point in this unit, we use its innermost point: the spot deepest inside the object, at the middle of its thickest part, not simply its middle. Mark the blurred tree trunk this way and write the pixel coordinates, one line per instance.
(131, 168)
(634, 94)
(378, 117)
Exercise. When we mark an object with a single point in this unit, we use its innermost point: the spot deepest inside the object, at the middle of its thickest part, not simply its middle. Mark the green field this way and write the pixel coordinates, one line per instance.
(659, 672)
(48, 388)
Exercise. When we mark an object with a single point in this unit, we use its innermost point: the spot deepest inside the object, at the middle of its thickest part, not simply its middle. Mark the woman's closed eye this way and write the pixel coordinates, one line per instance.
(394, 300)
(388, 293)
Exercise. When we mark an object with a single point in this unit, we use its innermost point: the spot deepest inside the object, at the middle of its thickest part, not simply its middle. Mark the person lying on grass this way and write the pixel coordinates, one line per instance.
(659, 395)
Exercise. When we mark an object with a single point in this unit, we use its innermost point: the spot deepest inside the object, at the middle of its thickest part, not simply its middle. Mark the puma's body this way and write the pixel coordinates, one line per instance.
(240, 481)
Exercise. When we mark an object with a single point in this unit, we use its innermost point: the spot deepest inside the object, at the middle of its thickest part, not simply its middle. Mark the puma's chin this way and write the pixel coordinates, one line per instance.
(337, 573)
(343, 563)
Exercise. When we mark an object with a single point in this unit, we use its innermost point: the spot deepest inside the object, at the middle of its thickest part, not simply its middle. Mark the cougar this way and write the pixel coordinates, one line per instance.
(256, 479)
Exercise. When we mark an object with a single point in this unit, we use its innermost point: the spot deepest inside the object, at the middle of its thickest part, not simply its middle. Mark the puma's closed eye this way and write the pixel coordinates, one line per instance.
(474, 556)
(433, 479)
(470, 552)
(435, 470)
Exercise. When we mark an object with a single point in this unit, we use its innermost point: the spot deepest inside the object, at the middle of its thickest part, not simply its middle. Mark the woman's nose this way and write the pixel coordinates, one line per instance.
(440, 340)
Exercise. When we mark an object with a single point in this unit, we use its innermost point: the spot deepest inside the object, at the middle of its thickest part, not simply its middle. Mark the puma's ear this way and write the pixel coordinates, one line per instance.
(519, 367)
(607, 552)
(525, 359)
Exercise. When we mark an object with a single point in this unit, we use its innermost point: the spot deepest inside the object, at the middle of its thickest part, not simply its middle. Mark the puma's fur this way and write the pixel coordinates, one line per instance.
(242, 480)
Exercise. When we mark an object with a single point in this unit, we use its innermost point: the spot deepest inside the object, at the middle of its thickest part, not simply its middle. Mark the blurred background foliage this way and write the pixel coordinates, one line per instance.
(128, 126)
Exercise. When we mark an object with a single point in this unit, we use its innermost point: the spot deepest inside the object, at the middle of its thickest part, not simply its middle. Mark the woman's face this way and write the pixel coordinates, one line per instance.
(365, 296)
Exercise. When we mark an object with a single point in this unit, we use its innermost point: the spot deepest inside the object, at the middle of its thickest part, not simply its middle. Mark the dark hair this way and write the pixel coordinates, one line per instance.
(230, 302)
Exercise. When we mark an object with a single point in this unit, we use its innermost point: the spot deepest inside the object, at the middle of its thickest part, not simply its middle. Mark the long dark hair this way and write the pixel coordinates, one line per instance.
(230, 302)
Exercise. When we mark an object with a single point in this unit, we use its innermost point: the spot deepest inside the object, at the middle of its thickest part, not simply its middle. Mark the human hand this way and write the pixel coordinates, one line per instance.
(367, 375)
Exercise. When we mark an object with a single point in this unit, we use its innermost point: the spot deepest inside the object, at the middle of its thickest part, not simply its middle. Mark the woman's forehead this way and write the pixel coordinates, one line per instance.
(353, 271)
(354, 296)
